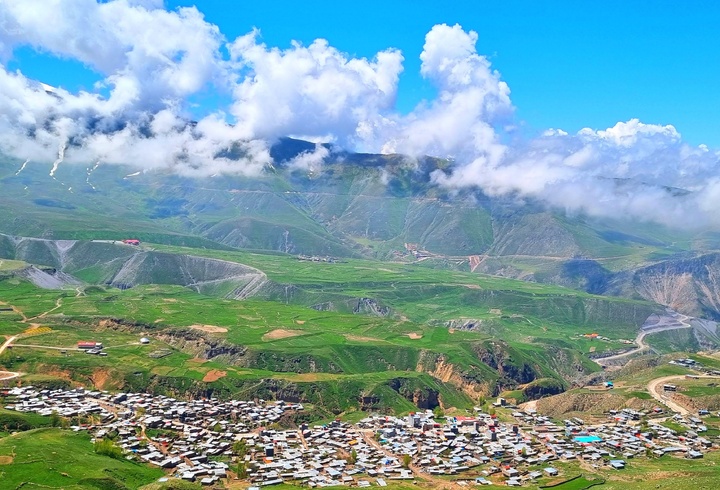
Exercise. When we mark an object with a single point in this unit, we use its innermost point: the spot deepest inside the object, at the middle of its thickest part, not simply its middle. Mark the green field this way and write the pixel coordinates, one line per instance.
(54, 458)
(353, 334)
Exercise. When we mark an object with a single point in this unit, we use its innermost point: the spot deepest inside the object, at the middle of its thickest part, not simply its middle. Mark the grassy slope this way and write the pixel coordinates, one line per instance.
(62, 459)
(539, 322)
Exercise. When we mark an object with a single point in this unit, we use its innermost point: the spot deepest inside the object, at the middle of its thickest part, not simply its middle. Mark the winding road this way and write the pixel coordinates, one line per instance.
(683, 321)
(5, 375)
(655, 388)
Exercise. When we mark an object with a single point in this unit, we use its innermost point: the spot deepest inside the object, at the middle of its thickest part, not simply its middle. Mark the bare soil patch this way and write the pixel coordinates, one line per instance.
(198, 360)
(496, 311)
(6, 460)
(360, 338)
(472, 286)
(281, 333)
(100, 378)
(451, 330)
(54, 371)
(170, 300)
(209, 328)
(415, 335)
(214, 375)
(300, 322)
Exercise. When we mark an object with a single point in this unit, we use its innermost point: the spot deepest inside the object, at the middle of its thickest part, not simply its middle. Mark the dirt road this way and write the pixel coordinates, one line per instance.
(7, 343)
(655, 388)
(5, 375)
(683, 321)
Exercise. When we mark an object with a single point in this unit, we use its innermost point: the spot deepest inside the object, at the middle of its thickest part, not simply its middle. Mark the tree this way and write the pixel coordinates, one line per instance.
(55, 419)
(107, 448)
(242, 470)
(239, 448)
(438, 412)
(353, 457)
(406, 460)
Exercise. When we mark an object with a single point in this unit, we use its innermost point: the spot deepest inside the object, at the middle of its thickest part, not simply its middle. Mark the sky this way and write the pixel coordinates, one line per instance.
(569, 64)
(590, 107)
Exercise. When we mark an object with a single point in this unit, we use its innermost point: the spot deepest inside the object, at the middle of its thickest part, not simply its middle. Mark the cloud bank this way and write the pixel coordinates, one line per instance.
(152, 62)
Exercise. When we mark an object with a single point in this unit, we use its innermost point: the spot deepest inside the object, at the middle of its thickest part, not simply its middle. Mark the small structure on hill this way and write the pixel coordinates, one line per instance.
(89, 345)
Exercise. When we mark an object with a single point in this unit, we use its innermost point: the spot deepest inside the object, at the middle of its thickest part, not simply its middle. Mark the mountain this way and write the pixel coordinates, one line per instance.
(356, 205)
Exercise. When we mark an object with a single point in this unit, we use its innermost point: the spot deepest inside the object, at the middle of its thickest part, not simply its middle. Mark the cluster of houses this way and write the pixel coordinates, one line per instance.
(209, 440)
(622, 437)
(315, 258)
(688, 363)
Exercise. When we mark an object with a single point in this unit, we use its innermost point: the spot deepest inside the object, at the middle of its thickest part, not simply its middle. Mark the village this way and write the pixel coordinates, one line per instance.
(211, 441)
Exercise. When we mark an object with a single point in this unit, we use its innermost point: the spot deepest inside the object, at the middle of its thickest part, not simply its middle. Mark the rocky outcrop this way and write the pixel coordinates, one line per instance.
(202, 346)
(370, 306)
(47, 278)
(439, 368)
(690, 286)
(497, 355)
(422, 397)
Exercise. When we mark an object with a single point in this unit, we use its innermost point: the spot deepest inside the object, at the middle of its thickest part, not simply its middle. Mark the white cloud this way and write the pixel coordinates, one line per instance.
(622, 171)
(459, 122)
(147, 54)
(152, 60)
(314, 90)
(310, 161)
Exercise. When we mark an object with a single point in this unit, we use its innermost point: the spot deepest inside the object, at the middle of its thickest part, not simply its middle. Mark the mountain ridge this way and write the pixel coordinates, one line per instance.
(354, 205)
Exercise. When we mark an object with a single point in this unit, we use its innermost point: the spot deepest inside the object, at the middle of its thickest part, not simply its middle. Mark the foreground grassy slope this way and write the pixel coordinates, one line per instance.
(53, 458)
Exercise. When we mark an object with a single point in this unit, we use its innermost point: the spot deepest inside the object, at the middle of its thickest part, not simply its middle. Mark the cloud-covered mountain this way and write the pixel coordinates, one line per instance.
(153, 61)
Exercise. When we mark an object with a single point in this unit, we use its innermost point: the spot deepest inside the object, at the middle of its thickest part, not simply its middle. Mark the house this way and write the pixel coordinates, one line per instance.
(131, 241)
(84, 345)
(617, 464)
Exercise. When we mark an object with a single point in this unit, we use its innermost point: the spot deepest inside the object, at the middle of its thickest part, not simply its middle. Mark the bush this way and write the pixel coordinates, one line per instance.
(108, 448)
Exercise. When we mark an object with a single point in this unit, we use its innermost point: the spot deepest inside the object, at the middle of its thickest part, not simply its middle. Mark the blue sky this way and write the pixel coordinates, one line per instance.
(635, 73)
(569, 64)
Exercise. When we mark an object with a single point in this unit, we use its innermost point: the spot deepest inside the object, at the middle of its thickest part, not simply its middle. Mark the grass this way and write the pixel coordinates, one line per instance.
(12, 420)
(696, 388)
(62, 459)
(11, 265)
(581, 483)
(347, 355)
